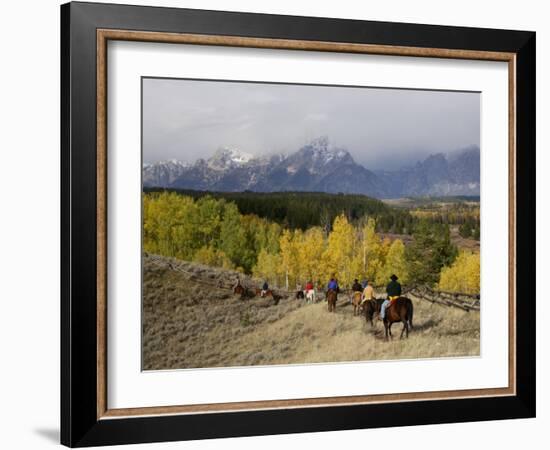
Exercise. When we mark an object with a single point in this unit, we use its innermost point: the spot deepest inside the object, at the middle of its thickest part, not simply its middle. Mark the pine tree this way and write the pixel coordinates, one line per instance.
(465, 230)
(430, 250)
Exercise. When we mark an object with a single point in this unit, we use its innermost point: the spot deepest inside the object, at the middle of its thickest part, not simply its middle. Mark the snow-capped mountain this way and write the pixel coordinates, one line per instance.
(318, 166)
(317, 157)
(227, 158)
(163, 173)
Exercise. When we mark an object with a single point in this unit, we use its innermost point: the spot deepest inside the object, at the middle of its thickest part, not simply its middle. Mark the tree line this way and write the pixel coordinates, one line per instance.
(308, 209)
(214, 231)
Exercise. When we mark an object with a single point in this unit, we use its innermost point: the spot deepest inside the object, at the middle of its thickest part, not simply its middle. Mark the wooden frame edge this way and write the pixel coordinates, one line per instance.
(101, 225)
(512, 200)
(103, 35)
(303, 403)
(290, 44)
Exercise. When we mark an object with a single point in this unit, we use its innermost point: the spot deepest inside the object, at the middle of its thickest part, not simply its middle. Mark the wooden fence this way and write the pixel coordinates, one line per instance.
(466, 302)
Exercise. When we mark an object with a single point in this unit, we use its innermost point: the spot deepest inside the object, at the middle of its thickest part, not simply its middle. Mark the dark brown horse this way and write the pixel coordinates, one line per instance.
(332, 297)
(400, 310)
(239, 290)
(243, 292)
(370, 307)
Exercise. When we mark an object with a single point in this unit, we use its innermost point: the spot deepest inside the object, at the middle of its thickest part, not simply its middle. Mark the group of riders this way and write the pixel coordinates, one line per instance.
(393, 290)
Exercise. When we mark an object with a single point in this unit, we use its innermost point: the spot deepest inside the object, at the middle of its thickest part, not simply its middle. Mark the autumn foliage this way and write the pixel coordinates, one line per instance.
(213, 231)
(463, 275)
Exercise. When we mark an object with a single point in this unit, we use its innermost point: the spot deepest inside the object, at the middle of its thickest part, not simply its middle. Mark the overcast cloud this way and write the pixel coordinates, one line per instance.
(381, 128)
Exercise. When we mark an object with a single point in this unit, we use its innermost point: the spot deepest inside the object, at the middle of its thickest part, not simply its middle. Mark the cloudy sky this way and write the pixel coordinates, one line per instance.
(381, 128)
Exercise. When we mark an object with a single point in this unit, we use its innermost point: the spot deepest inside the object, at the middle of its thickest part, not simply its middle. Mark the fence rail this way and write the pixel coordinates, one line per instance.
(466, 302)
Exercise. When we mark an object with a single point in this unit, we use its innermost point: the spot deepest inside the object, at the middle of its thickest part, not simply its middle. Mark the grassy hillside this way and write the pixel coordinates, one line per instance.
(191, 319)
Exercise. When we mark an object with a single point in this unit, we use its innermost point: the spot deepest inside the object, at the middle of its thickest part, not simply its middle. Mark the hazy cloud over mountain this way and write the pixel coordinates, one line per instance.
(381, 128)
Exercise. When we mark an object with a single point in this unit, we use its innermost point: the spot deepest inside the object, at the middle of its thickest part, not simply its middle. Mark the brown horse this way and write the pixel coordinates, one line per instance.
(243, 292)
(370, 307)
(239, 290)
(268, 293)
(400, 310)
(356, 298)
(332, 297)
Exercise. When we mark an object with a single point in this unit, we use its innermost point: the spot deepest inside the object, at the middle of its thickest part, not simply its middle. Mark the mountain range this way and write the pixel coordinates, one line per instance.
(319, 167)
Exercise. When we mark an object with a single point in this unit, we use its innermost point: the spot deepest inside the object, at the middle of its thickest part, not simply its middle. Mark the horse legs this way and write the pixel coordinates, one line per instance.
(389, 329)
(405, 328)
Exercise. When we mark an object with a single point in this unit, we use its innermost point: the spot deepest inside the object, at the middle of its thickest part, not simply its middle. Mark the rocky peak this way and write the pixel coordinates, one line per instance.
(228, 158)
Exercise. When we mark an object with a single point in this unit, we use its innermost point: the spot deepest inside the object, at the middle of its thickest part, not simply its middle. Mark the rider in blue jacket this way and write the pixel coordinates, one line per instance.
(332, 284)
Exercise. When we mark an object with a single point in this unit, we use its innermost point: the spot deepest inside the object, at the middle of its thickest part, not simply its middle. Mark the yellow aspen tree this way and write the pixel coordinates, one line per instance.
(372, 250)
(297, 262)
(310, 254)
(395, 263)
(287, 257)
(212, 257)
(463, 275)
(168, 227)
(268, 267)
(339, 251)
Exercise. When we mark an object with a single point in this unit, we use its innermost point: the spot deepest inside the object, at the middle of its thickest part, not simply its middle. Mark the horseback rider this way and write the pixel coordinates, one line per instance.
(356, 286)
(332, 285)
(237, 282)
(238, 288)
(368, 292)
(393, 289)
(265, 288)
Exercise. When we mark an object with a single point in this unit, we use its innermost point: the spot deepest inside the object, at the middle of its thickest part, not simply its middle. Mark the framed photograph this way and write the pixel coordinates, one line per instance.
(277, 224)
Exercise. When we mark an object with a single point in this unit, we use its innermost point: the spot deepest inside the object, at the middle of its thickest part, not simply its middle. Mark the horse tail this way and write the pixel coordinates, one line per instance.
(410, 310)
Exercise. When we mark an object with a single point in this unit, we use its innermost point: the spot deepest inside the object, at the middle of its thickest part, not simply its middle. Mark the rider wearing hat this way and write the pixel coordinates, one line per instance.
(393, 289)
(356, 286)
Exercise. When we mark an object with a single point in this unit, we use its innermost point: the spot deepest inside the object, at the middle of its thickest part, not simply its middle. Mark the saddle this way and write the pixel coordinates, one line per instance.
(392, 301)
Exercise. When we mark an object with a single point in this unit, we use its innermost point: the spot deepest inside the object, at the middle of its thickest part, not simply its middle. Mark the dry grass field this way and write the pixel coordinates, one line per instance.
(191, 319)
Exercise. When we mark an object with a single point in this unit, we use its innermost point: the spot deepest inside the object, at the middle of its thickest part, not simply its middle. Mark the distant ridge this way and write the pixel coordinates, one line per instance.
(320, 167)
